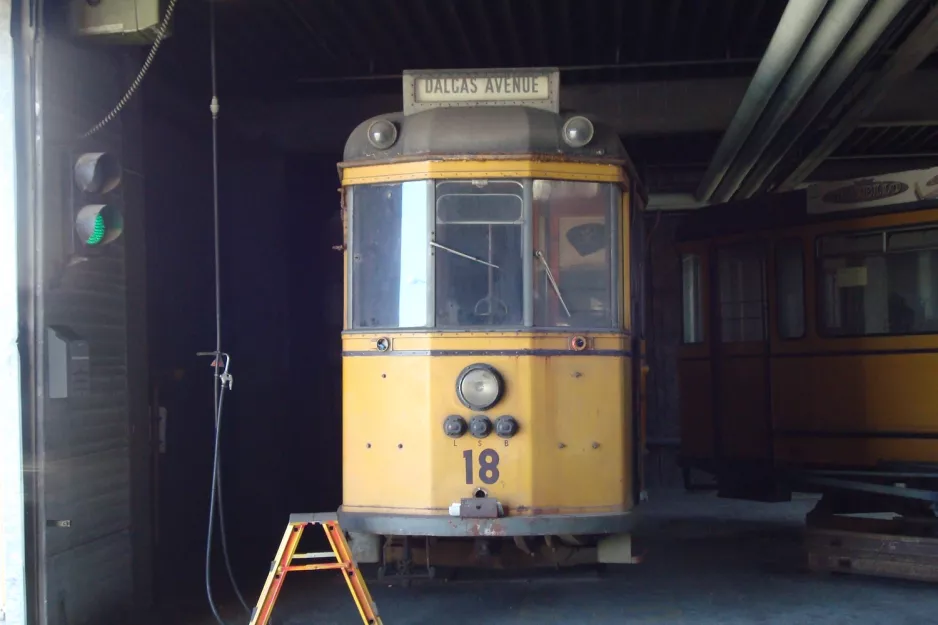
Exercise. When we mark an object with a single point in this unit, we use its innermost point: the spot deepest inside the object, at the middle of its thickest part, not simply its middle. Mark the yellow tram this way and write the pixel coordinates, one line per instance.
(490, 350)
(810, 344)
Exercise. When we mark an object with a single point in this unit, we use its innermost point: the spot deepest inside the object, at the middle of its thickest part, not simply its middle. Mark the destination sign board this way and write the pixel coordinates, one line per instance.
(537, 88)
(896, 188)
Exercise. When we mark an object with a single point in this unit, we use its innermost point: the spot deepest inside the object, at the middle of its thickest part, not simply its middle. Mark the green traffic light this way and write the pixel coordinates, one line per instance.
(98, 224)
(98, 232)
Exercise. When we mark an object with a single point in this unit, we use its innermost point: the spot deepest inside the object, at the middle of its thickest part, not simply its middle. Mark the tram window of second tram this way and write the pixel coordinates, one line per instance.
(879, 283)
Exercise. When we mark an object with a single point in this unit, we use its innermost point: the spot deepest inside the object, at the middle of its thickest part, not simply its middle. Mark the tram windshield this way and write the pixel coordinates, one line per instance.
(575, 234)
(455, 254)
(479, 262)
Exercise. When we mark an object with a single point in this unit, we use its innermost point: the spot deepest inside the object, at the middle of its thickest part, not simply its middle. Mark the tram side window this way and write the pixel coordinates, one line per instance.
(390, 259)
(693, 302)
(742, 294)
(879, 283)
(478, 250)
(789, 263)
(575, 250)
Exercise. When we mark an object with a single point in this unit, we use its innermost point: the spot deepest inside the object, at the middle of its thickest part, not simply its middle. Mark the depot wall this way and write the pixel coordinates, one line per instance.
(663, 334)
(281, 286)
(88, 483)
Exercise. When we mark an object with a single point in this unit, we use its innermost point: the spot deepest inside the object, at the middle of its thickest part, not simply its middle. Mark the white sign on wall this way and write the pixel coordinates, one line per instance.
(898, 188)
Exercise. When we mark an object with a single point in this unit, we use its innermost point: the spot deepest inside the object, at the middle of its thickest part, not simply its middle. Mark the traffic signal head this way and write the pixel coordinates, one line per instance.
(98, 224)
(97, 172)
(98, 221)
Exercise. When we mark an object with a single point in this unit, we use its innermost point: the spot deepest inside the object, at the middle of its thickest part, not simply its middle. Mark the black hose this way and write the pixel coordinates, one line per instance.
(224, 540)
(158, 40)
(211, 510)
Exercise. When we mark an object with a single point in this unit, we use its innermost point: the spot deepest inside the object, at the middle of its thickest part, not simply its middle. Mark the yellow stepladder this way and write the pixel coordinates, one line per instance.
(286, 554)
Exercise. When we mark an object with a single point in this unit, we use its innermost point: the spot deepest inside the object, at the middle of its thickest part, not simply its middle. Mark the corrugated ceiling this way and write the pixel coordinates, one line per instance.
(287, 48)
(285, 45)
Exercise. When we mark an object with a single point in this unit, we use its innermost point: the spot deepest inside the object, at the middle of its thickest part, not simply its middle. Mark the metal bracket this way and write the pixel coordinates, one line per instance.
(477, 508)
(225, 377)
(878, 489)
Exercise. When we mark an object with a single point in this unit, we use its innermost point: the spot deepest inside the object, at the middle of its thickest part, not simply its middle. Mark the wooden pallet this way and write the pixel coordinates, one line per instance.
(880, 547)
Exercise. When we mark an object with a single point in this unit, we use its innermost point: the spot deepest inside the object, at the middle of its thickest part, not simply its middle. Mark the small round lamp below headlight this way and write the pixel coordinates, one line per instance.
(455, 426)
(382, 134)
(480, 426)
(506, 426)
(577, 131)
(479, 387)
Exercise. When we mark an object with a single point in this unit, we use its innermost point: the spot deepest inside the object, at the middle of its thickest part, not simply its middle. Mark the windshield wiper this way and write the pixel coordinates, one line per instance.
(550, 276)
(452, 251)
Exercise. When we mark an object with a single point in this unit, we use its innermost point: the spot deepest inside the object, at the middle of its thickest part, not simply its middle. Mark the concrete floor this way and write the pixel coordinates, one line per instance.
(707, 561)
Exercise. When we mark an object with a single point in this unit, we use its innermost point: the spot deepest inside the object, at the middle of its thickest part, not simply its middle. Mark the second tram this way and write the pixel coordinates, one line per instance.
(810, 341)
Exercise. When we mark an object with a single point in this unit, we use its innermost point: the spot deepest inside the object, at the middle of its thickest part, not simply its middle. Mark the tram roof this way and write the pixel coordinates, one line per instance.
(484, 131)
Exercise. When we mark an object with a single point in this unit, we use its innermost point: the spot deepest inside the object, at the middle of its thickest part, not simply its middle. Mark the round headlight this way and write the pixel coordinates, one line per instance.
(382, 134)
(577, 131)
(479, 387)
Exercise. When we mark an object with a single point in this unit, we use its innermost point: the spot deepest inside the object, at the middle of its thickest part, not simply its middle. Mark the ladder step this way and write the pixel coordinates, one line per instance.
(313, 555)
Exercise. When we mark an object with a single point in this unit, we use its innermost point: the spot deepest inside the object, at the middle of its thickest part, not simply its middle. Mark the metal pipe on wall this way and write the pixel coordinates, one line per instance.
(792, 32)
(816, 54)
(871, 28)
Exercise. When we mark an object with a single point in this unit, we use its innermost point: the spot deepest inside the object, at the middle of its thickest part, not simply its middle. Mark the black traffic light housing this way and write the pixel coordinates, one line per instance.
(95, 177)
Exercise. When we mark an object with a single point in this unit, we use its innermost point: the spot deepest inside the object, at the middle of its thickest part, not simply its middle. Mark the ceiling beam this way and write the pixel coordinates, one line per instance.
(439, 47)
(674, 10)
(749, 29)
(539, 36)
(646, 108)
(354, 37)
(484, 32)
(456, 19)
(920, 43)
(899, 122)
(792, 33)
(403, 31)
(807, 72)
(683, 179)
(648, 11)
(726, 22)
(836, 75)
(566, 34)
(517, 50)
(617, 20)
(296, 17)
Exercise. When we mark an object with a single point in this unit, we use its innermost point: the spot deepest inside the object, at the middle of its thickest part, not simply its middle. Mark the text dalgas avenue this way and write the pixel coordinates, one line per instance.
(491, 85)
